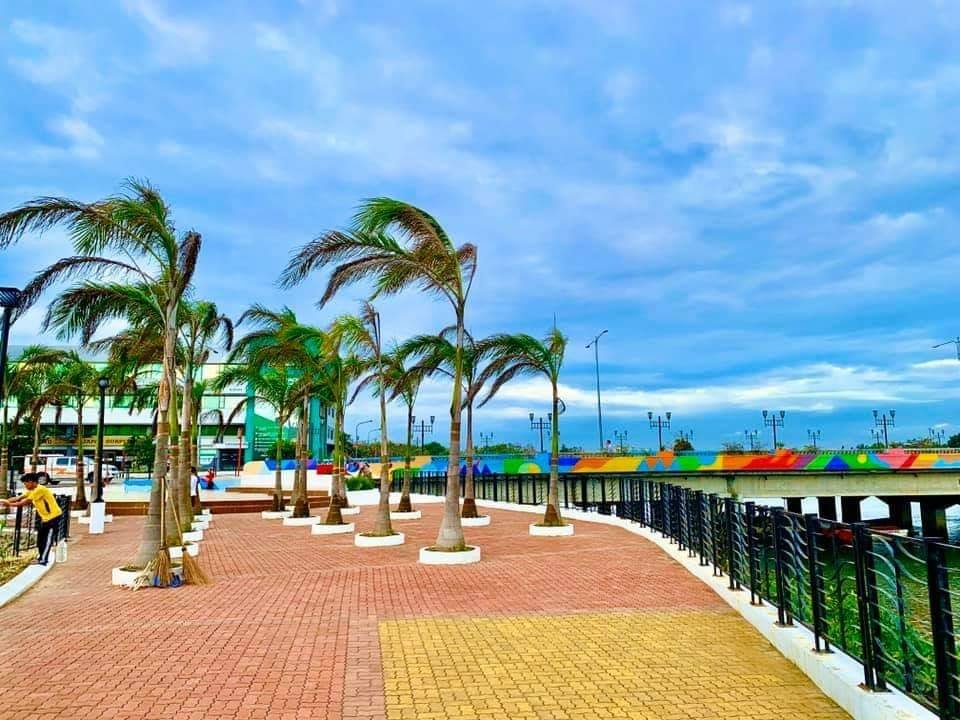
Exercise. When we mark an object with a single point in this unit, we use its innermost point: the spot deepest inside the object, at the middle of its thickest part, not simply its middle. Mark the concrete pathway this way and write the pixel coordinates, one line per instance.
(600, 625)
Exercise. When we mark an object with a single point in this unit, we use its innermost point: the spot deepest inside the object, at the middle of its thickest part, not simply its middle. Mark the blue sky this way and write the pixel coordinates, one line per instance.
(758, 200)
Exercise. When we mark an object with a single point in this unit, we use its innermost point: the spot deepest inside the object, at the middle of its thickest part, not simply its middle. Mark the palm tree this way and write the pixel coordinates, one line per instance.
(512, 356)
(363, 336)
(136, 227)
(427, 259)
(403, 382)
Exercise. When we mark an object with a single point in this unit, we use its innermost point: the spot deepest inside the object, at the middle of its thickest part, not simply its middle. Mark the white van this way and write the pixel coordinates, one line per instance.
(63, 467)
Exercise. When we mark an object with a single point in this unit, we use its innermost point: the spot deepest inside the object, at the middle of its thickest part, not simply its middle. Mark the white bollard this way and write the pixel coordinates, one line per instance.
(97, 515)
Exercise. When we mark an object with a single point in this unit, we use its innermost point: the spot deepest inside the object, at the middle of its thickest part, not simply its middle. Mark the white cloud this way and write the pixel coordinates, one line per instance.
(85, 142)
(175, 41)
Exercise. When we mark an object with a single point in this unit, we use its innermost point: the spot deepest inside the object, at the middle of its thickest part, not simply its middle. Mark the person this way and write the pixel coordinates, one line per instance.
(608, 448)
(194, 488)
(211, 474)
(48, 510)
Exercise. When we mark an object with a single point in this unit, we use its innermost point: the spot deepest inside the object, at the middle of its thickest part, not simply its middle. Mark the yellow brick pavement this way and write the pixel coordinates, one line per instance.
(640, 665)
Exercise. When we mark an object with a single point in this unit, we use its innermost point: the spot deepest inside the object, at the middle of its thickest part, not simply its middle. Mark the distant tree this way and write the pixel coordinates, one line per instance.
(954, 441)
(570, 449)
(732, 448)
(434, 448)
(682, 445)
(288, 450)
(502, 449)
(809, 449)
(139, 451)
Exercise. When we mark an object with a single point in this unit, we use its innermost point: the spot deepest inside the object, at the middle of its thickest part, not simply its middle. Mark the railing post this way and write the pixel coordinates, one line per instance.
(776, 519)
(860, 545)
(731, 556)
(817, 599)
(566, 492)
(701, 526)
(17, 531)
(941, 627)
(750, 510)
(642, 499)
(603, 496)
(583, 493)
(520, 489)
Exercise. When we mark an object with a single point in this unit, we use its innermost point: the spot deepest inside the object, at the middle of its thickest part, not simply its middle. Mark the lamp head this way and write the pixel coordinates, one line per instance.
(432, 418)
(893, 413)
(765, 413)
(874, 413)
(549, 417)
(783, 414)
(668, 415)
(649, 415)
(413, 419)
(531, 417)
(103, 383)
(10, 297)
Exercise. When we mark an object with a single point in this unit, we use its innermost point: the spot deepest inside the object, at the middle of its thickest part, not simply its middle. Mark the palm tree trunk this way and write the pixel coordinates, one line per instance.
(301, 507)
(150, 540)
(185, 506)
(334, 517)
(381, 525)
(450, 536)
(35, 456)
(552, 514)
(4, 449)
(81, 499)
(278, 472)
(405, 505)
(469, 503)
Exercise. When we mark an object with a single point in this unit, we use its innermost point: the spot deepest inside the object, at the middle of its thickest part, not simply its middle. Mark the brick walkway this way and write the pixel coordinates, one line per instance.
(298, 626)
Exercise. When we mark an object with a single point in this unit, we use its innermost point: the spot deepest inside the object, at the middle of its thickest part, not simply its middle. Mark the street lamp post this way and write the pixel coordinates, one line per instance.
(485, 438)
(356, 430)
(885, 421)
(423, 427)
(660, 424)
(774, 420)
(541, 425)
(937, 435)
(9, 301)
(751, 436)
(621, 436)
(370, 432)
(596, 358)
(813, 436)
(877, 436)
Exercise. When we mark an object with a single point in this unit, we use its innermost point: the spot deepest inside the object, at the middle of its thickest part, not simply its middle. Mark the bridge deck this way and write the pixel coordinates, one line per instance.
(603, 624)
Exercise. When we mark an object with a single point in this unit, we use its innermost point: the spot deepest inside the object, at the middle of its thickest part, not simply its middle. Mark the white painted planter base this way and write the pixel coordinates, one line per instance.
(481, 521)
(194, 536)
(200, 525)
(437, 557)
(321, 529)
(368, 541)
(275, 514)
(123, 577)
(550, 531)
(85, 519)
(78, 513)
(176, 552)
(412, 515)
(354, 510)
(300, 522)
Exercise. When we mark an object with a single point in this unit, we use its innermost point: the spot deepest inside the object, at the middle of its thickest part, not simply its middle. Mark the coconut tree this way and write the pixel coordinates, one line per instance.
(362, 335)
(403, 382)
(514, 356)
(131, 238)
(396, 246)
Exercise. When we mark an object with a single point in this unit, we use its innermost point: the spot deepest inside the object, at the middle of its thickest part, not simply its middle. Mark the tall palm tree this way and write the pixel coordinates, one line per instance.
(428, 259)
(136, 228)
(363, 336)
(403, 382)
(513, 356)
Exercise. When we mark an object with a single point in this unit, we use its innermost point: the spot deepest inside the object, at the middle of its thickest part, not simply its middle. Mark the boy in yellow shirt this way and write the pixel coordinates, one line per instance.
(48, 511)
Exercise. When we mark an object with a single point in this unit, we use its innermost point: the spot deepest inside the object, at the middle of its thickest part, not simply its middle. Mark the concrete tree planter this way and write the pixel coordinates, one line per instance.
(412, 515)
(429, 556)
(481, 521)
(200, 525)
(354, 510)
(85, 519)
(363, 540)
(193, 536)
(300, 522)
(119, 576)
(193, 549)
(275, 514)
(551, 530)
(342, 528)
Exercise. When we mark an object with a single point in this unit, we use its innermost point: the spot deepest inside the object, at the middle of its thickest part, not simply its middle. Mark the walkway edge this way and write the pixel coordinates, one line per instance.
(836, 674)
(23, 581)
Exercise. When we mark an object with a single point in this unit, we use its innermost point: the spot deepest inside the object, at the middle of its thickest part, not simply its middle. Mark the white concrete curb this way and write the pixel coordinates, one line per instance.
(24, 580)
(322, 529)
(481, 521)
(176, 551)
(275, 514)
(438, 557)
(836, 674)
(352, 510)
(294, 522)
(192, 536)
(85, 519)
(370, 541)
(412, 515)
(551, 530)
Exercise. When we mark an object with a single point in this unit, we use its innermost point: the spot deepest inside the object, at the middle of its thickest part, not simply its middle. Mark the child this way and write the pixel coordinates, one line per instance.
(48, 527)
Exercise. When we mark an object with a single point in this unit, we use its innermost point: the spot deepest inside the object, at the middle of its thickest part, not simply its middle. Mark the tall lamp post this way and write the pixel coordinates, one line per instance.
(937, 436)
(621, 436)
(485, 438)
(751, 436)
(9, 301)
(356, 430)
(813, 436)
(423, 427)
(541, 425)
(877, 436)
(774, 420)
(885, 421)
(596, 358)
(659, 424)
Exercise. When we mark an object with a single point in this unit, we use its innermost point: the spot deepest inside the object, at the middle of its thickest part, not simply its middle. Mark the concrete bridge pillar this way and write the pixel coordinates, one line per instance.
(827, 507)
(900, 511)
(933, 517)
(850, 509)
(794, 505)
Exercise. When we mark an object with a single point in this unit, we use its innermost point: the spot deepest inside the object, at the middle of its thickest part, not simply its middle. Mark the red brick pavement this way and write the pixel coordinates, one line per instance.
(288, 630)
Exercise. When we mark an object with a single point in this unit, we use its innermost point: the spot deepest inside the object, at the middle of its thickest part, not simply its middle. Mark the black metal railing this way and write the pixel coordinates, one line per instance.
(18, 529)
(882, 598)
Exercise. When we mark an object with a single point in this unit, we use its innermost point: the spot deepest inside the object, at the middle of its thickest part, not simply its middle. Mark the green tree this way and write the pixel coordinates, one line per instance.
(954, 441)
(282, 449)
(139, 451)
(152, 262)
(682, 445)
(429, 260)
(513, 356)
